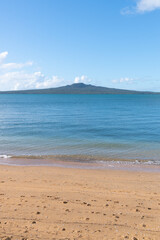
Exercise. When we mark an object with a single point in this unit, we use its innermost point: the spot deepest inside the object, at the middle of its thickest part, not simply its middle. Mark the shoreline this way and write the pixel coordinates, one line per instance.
(65, 162)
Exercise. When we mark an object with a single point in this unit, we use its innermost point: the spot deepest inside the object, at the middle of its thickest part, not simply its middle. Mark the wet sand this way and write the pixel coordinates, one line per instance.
(66, 203)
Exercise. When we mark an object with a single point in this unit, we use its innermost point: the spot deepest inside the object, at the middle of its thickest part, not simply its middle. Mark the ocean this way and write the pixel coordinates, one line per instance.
(92, 127)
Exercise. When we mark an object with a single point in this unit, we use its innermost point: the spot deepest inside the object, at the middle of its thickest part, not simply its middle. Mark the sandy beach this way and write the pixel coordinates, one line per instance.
(60, 203)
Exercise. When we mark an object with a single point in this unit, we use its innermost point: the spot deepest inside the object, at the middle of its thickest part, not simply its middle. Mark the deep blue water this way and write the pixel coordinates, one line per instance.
(114, 126)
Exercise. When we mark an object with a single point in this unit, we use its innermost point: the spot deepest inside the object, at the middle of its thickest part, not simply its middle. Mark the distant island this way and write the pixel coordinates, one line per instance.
(78, 88)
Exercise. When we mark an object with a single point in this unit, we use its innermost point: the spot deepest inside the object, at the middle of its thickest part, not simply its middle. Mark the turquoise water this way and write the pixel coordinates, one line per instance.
(112, 126)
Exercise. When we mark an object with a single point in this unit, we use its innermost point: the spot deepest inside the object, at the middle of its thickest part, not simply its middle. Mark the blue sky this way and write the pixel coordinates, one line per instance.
(57, 42)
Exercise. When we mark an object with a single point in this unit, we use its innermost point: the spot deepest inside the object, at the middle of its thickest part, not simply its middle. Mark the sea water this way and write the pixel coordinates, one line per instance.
(103, 126)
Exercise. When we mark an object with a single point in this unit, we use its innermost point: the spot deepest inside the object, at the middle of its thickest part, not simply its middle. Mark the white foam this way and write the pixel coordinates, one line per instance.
(5, 156)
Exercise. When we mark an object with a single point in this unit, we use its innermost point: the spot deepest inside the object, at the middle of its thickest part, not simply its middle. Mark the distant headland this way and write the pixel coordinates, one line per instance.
(78, 88)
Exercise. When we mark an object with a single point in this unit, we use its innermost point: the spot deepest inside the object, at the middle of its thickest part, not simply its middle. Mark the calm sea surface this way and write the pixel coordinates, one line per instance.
(110, 126)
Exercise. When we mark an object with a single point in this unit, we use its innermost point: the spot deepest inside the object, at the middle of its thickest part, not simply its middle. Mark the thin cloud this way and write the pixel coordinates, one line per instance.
(10, 79)
(3, 55)
(10, 66)
(82, 79)
(123, 80)
(148, 5)
(21, 80)
(142, 6)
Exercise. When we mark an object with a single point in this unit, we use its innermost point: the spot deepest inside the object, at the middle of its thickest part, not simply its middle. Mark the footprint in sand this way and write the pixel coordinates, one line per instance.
(67, 210)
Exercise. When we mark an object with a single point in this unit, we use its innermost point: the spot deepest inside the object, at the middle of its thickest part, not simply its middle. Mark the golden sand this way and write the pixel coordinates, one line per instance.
(60, 203)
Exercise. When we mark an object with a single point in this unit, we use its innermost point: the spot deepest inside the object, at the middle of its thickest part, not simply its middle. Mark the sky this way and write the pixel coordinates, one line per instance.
(51, 43)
